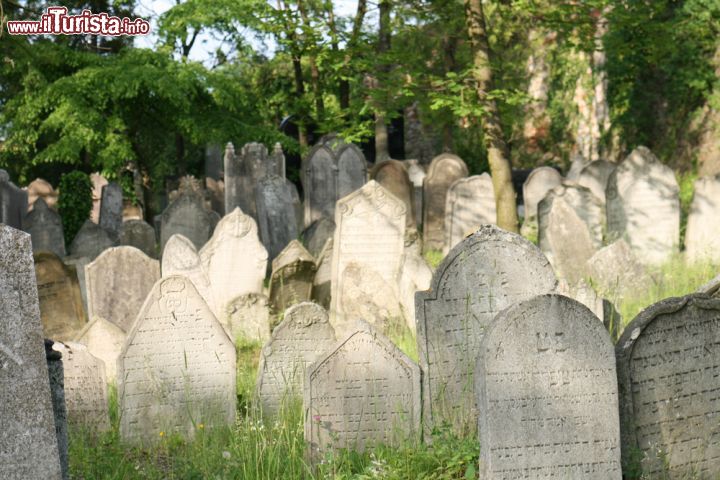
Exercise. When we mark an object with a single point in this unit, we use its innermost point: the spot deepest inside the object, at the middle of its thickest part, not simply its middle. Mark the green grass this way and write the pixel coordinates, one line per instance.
(434, 258)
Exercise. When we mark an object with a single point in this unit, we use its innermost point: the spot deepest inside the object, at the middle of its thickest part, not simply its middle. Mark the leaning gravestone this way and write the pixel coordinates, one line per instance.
(547, 394)
(351, 168)
(277, 202)
(28, 445)
(643, 207)
(362, 392)
(247, 316)
(595, 177)
(111, 210)
(443, 171)
(320, 184)
(304, 334)
(103, 340)
(292, 277)
(485, 273)
(90, 241)
(391, 174)
(668, 365)
(118, 282)
(61, 308)
(186, 216)
(315, 236)
(180, 257)
(45, 228)
(702, 236)
(139, 234)
(177, 368)
(470, 203)
(367, 250)
(540, 181)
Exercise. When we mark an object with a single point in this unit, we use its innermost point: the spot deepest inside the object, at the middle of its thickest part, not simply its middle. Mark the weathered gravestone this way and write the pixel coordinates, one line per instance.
(98, 182)
(118, 282)
(643, 206)
(601, 307)
(104, 340)
(702, 236)
(711, 288)
(391, 174)
(177, 369)
(86, 393)
(470, 203)
(247, 316)
(111, 210)
(577, 164)
(304, 334)
(416, 174)
(61, 308)
(315, 236)
(13, 202)
(256, 164)
(485, 273)
(547, 394)
(139, 234)
(78, 264)
(186, 216)
(234, 259)
(595, 177)
(277, 203)
(45, 228)
(415, 276)
(322, 283)
(57, 396)
(233, 180)
(292, 277)
(28, 445)
(540, 181)
(443, 171)
(351, 168)
(367, 250)
(40, 188)
(320, 187)
(213, 161)
(616, 272)
(90, 241)
(362, 392)
(570, 228)
(216, 192)
(180, 257)
(668, 362)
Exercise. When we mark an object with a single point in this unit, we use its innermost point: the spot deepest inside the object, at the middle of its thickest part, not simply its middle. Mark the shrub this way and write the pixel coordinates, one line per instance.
(75, 202)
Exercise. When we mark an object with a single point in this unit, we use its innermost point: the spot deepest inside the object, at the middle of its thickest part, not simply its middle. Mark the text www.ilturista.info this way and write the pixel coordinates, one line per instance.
(56, 21)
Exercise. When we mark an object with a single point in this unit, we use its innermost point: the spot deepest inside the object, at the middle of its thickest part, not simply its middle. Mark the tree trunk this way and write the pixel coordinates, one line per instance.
(382, 151)
(344, 87)
(498, 157)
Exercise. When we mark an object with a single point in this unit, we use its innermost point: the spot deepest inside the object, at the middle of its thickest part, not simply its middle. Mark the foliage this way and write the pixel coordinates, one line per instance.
(75, 202)
(433, 258)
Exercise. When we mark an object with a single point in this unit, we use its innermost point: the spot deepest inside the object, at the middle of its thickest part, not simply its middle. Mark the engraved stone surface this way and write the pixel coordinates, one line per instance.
(103, 340)
(277, 202)
(320, 177)
(186, 216)
(443, 171)
(304, 334)
(61, 308)
(40, 188)
(234, 259)
(139, 234)
(315, 236)
(118, 282)
(668, 366)
(177, 368)
(322, 283)
(256, 164)
(702, 236)
(90, 241)
(364, 391)
(45, 228)
(111, 210)
(643, 207)
(248, 317)
(547, 394)
(292, 277)
(470, 203)
(98, 182)
(367, 250)
(540, 181)
(181, 258)
(391, 174)
(484, 274)
(28, 445)
(595, 177)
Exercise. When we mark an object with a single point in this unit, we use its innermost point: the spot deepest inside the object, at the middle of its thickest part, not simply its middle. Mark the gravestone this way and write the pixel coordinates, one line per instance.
(304, 334)
(711, 288)
(667, 373)
(45, 228)
(443, 171)
(216, 192)
(320, 184)
(132, 211)
(139, 234)
(78, 264)
(616, 272)
(111, 210)
(98, 182)
(577, 163)
(540, 181)
(213, 161)
(367, 249)
(292, 277)
(595, 177)
(547, 394)
(277, 200)
(702, 240)
(643, 207)
(352, 169)
(86, 393)
(470, 203)
(362, 392)
(104, 340)
(186, 216)
(315, 236)
(177, 368)
(276, 160)
(28, 445)
(322, 283)
(485, 273)
(234, 259)
(391, 174)
(57, 395)
(416, 174)
(90, 241)
(247, 316)
(181, 258)
(118, 282)
(40, 188)
(13, 202)
(415, 276)
(61, 308)
(233, 179)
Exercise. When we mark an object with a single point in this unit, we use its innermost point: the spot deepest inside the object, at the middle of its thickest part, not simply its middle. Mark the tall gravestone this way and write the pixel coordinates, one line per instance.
(485, 273)
(118, 282)
(702, 236)
(13, 202)
(470, 203)
(362, 392)
(547, 394)
(111, 210)
(180, 257)
(45, 228)
(540, 181)
(213, 161)
(139, 234)
(186, 216)
(233, 179)
(61, 309)
(57, 396)
(351, 168)
(367, 250)
(320, 186)
(444, 170)
(391, 174)
(177, 368)
(90, 241)
(667, 373)
(277, 202)
(595, 177)
(292, 277)
(643, 206)
(104, 340)
(28, 445)
(304, 334)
